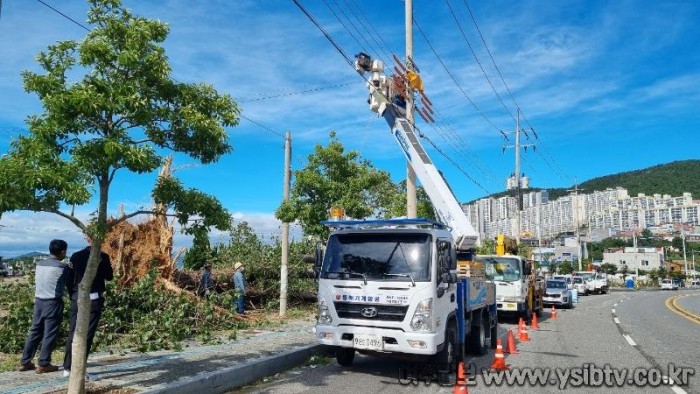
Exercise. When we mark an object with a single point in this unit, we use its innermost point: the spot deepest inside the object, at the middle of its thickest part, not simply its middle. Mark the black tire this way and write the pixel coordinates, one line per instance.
(446, 359)
(477, 337)
(345, 356)
(494, 334)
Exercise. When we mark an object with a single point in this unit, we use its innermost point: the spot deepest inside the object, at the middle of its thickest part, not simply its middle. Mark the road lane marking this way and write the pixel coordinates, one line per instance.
(629, 340)
(616, 320)
(613, 311)
(615, 304)
(671, 304)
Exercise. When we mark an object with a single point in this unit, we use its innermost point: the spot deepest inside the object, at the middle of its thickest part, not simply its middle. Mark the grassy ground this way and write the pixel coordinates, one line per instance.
(260, 320)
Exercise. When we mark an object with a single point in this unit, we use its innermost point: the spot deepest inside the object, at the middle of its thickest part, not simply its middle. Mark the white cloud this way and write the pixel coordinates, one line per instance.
(24, 231)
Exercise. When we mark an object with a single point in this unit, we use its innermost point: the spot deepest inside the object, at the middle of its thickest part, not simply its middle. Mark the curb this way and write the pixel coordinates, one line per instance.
(229, 378)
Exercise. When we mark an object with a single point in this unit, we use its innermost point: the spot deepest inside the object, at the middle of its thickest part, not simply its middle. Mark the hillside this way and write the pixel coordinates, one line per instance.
(673, 178)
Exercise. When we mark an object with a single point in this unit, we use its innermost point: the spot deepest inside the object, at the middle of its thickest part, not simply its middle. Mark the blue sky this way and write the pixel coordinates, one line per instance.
(607, 86)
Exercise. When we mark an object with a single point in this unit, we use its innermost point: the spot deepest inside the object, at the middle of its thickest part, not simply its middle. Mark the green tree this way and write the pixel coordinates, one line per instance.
(677, 243)
(608, 268)
(397, 202)
(566, 268)
(120, 115)
(200, 251)
(335, 177)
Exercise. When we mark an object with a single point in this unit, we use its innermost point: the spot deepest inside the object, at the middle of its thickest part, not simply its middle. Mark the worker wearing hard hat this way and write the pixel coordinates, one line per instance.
(239, 286)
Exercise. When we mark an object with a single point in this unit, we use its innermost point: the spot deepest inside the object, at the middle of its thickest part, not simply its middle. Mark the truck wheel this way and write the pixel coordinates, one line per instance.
(446, 359)
(477, 339)
(494, 334)
(345, 356)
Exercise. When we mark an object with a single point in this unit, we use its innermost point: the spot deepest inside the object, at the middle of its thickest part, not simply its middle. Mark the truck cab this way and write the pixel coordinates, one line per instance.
(517, 291)
(392, 290)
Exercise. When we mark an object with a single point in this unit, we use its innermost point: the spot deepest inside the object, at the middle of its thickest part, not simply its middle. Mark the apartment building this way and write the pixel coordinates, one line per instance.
(601, 211)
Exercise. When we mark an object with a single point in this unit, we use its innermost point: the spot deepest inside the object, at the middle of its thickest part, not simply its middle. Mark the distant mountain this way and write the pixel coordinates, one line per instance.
(674, 179)
(29, 255)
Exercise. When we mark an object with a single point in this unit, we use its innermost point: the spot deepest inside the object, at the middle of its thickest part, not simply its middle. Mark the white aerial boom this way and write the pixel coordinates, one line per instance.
(387, 102)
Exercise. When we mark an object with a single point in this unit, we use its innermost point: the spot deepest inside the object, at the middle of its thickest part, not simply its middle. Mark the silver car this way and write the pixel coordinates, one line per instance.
(558, 293)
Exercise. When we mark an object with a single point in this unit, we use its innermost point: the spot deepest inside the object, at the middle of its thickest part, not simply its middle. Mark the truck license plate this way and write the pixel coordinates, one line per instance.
(371, 342)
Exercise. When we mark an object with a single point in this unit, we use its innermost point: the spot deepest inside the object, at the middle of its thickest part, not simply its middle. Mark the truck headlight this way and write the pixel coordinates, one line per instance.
(324, 316)
(423, 316)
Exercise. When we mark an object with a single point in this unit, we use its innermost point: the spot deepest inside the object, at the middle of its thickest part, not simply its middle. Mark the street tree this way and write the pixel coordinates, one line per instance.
(566, 268)
(396, 202)
(608, 268)
(334, 177)
(110, 104)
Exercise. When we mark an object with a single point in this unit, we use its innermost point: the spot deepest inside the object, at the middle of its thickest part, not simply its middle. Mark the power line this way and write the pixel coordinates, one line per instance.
(450, 160)
(493, 61)
(343, 24)
(351, 64)
(471, 49)
(454, 79)
(297, 92)
(261, 126)
(372, 36)
(325, 33)
(64, 15)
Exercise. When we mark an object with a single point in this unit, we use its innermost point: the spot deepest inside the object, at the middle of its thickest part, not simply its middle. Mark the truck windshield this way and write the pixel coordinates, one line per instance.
(506, 269)
(556, 284)
(377, 256)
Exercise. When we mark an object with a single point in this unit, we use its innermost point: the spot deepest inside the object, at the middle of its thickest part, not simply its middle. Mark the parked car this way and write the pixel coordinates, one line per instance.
(558, 293)
(566, 278)
(695, 282)
(668, 284)
(580, 285)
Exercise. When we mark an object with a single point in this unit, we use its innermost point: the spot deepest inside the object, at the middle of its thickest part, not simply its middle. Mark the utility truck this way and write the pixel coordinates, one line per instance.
(404, 288)
(596, 282)
(518, 290)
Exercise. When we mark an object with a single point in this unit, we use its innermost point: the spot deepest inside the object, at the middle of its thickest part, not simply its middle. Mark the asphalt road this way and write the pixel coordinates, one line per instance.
(575, 350)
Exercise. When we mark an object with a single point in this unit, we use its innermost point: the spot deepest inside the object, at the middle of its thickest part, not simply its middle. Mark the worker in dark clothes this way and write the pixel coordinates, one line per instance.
(51, 277)
(79, 261)
(205, 282)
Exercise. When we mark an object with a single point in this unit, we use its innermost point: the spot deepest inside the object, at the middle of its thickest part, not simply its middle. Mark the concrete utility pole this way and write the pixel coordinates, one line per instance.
(411, 204)
(685, 260)
(285, 226)
(518, 230)
(577, 224)
(517, 147)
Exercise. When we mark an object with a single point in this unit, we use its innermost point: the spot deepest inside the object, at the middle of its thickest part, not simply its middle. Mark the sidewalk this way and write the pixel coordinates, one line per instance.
(203, 369)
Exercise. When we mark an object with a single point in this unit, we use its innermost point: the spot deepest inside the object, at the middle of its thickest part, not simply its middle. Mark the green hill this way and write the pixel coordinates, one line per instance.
(673, 178)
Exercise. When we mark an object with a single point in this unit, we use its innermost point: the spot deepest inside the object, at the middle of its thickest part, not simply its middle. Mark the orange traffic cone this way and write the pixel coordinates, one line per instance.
(510, 343)
(461, 382)
(521, 323)
(553, 313)
(523, 334)
(499, 361)
(535, 325)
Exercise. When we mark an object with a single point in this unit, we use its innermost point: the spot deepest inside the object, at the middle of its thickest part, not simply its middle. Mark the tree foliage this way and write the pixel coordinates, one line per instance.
(332, 177)
(262, 260)
(608, 268)
(110, 104)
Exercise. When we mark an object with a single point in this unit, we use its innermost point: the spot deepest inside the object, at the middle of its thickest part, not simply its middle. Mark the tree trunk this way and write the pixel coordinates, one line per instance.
(79, 351)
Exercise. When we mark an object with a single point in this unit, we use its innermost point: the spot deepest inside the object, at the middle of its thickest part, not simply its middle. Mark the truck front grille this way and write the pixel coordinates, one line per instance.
(347, 310)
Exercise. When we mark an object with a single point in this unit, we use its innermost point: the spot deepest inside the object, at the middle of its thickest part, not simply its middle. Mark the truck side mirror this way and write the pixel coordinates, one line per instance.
(527, 268)
(448, 277)
(316, 259)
